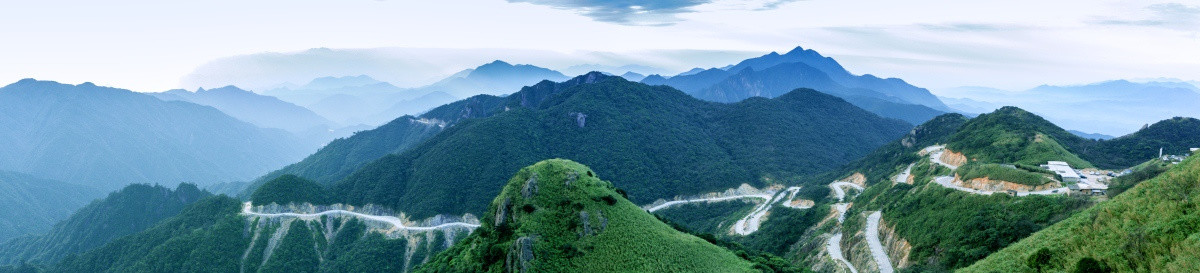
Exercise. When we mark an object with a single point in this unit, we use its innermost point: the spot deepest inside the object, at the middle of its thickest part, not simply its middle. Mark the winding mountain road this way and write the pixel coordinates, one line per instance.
(935, 156)
(396, 222)
(839, 192)
(903, 176)
(710, 199)
(877, 252)
(834, 246)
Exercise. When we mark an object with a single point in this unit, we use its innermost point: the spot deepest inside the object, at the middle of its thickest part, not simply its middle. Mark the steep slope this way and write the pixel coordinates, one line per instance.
(128, 211)
(923, 226)
(343, 156)
(558, 216)
(32, 205)
(112, 137)
(656, 141)
(263, 111)
(1011, 135)
(1150, 228)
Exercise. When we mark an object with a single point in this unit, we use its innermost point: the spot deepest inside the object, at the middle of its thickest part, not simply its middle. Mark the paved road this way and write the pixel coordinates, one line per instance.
(834, 247)
(396, 222)
(839, 192)
(710, 199)
(936, 156)
(903, 176)
(877, 252)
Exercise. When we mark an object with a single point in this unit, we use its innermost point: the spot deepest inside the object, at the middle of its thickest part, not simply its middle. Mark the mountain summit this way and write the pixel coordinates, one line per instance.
(558, 216)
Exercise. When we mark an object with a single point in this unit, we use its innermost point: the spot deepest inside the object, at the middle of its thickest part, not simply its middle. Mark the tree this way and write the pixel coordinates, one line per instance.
(1039, 259)
(1090, 265)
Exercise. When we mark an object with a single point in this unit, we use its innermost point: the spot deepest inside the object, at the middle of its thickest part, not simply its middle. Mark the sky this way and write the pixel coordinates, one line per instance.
(1016, 44)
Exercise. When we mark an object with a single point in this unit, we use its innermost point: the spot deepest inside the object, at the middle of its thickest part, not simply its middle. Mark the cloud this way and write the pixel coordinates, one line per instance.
(972, 27)
(649, 13)
(1175, 16)
(625, 12)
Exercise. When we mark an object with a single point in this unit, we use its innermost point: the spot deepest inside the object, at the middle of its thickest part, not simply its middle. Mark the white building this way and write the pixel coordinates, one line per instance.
(1062, 169)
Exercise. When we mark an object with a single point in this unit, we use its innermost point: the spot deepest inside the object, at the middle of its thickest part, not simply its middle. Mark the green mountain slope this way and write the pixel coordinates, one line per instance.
(211, 235)
(32, 205)
(936, 228)
(656, 142)
(128, 211)
(1149, 228)
(343, 156)
(558, 216)
(1013, 136)
(1175, 136)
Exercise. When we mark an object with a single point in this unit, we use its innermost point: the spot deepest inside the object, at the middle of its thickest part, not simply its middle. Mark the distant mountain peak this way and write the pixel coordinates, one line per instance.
(497, 63)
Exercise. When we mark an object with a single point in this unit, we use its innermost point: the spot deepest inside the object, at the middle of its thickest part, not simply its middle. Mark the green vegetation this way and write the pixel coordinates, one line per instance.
(557, 216)
(1149, 228)
(782, 229)
(128, 211)
(991, 171)
(289, 189)
(1013, 136)
(656, 142)
(1174, 136)
(715, 217)
(764, 261)
(210, 236)
(951, 229)
(342, 156)
(178, 242)
(1140, 173)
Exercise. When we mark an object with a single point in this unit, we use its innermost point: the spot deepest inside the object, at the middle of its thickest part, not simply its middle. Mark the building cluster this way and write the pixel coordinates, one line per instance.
(1076, 182)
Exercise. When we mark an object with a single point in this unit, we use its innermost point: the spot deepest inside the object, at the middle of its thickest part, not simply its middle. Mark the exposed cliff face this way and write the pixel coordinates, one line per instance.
(333, 235)
(956, 159)
(857, 178)
(898, 249)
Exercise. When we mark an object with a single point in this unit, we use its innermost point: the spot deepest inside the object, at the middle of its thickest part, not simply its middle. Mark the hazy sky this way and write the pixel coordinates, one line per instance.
(155, 45)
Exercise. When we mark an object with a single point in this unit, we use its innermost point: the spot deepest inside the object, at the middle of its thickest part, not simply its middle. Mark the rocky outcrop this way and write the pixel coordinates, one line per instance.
(520, 255)
(953, 158)
(857, 179)
(531, 187)
(502, 211)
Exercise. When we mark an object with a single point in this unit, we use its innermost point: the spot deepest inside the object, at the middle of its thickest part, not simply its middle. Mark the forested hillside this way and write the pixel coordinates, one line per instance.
(655, 141)
(128, 211)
